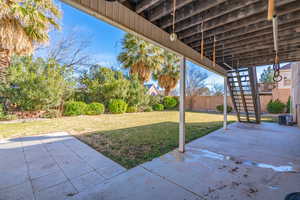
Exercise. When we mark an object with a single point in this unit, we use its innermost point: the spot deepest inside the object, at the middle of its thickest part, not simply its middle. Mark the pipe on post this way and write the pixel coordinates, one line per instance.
(225, 104)
(182, 106)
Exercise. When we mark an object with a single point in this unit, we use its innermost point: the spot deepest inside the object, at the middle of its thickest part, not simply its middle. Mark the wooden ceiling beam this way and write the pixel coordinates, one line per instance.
(252, 26)
(145, 4)
(284, 35)
(285, 49)
(189, 11)
(237, 19)
(222, 14)
(265, 46)
(166, 8)
(264, 60)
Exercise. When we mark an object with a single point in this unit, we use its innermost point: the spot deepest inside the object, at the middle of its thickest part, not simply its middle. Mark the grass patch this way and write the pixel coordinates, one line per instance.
(130, 139)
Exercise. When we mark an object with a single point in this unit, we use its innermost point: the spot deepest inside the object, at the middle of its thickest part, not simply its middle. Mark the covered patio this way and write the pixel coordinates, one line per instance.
(241, 161)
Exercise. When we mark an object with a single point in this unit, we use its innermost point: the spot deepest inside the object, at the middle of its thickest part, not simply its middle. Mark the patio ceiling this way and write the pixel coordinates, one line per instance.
(240, 27)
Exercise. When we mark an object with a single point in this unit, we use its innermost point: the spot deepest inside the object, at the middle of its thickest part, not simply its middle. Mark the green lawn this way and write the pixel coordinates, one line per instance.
(129, 139)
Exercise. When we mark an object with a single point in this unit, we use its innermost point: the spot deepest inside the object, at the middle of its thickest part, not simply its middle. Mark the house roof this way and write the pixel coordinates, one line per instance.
(148, 86)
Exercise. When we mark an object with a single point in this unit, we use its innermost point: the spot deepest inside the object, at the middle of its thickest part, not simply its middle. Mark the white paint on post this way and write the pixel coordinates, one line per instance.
(225, 103)
(181, 106)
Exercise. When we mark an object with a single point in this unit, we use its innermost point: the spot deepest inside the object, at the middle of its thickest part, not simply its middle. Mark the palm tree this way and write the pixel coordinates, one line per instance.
(169, 75)
(141, 57)
(23, 25)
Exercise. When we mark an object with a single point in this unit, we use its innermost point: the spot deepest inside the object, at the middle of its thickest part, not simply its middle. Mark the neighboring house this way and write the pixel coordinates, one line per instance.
(152, 90)
(285, 72)
(280, 90)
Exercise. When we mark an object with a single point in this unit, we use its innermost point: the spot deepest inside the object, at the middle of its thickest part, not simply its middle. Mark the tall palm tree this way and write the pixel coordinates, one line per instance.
(140, 57)
(169, 75)
(23, 25)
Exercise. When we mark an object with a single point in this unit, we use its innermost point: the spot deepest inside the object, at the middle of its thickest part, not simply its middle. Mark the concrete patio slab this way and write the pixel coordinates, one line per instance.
(247, 161)
(136, 184)
(46, 167)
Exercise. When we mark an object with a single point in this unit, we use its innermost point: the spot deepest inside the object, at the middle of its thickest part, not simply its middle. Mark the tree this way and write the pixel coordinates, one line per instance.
(69, 49)
(168, 76)
(36, 84)
(195, 80)
(217, 89)
(137, 93)
(101, 84)
(23, 25)
(267, 75)
(195, 83)
(140, 57)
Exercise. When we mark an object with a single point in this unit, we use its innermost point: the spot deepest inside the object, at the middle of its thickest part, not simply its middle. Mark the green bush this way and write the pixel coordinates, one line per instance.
(275, 107)
(2, 114)
(148, 109)
(117, 106)
(8, 117)
(73, 108)
(155, 100)
(158, 107)
(38, 84)
(51, 113)
(170, 102)
(220, 108)
(131, 109)
(95, 109)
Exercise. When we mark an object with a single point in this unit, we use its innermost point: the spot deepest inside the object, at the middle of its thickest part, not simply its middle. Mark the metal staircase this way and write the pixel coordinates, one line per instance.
(242, 83)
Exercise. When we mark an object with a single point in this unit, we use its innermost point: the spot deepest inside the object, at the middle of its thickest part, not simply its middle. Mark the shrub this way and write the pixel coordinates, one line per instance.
(51, 113)
(38, 84)
(158, 107)
(148, 109)
(117, 106)
(8, 117)
(131, 109)
(155, 100)
(169, 102)
(95, 109)
(2, 114)
(275, 107)
(73, 108)
(220, 108)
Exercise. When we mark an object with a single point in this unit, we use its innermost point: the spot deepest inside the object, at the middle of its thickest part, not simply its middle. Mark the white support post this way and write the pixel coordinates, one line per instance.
(181, 106)
(225, 103)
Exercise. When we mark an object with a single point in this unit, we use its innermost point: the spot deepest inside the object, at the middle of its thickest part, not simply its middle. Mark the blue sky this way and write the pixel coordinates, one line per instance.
(106, 39)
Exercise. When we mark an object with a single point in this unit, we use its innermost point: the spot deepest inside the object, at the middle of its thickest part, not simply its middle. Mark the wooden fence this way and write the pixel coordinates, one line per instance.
(209, 103)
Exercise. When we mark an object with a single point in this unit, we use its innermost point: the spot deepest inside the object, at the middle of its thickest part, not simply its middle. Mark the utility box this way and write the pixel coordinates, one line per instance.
(285, 120)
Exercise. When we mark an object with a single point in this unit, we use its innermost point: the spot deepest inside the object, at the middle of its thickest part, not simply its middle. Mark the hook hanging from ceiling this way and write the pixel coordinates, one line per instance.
(173, 36)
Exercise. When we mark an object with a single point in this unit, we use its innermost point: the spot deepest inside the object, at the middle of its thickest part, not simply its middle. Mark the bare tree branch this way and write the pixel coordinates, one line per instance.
(71, 50)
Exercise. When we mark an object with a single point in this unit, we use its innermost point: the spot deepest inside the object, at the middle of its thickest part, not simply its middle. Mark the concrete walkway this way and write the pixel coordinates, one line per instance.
(247, 161)
(52, 166)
